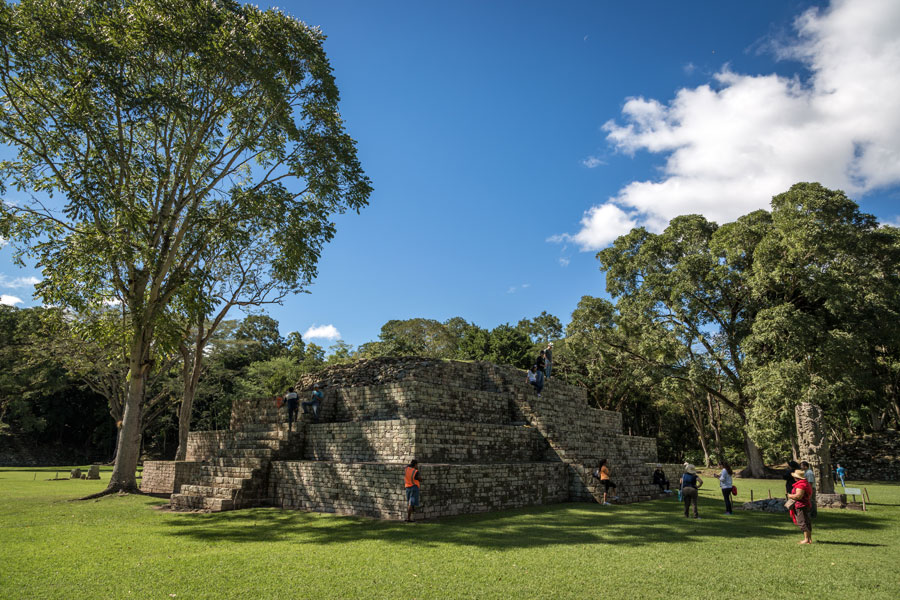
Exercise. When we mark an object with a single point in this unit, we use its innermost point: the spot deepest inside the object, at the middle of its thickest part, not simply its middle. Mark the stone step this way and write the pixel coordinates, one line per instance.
(230, 482)
(192, 502)
(257, 444)
(238, 462)
(220, 471)
(245, 453)
(209, 491)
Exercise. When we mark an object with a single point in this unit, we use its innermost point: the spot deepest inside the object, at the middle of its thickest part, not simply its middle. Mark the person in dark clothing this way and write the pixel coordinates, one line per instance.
(293, 403)
(690, 484)
(660, 479)
(788, 478)
(548, 355)
(541, 361)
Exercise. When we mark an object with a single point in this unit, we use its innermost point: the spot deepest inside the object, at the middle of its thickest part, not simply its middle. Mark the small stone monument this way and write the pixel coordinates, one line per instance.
(816, 450)
(94, 472)
(75, 474)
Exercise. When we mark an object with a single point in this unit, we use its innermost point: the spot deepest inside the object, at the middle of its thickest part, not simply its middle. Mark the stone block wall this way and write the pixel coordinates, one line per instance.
(167, 476)
(871, 457)
(376, 489)
(427, 440)
(202, 445)
(413, 399)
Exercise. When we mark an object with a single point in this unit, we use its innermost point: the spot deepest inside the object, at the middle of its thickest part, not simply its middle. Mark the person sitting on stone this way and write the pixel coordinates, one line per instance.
(536, 378)
(660, 479)
(313, 404)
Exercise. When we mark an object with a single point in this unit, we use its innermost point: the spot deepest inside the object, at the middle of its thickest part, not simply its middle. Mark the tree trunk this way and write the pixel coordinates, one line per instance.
(128, 448)
(715, 419)
(191, 376)
(756, 468)
(795, 447)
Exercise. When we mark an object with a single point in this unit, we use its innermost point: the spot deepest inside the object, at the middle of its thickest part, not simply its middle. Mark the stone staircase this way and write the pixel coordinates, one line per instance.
(581, 436)
(236, 474)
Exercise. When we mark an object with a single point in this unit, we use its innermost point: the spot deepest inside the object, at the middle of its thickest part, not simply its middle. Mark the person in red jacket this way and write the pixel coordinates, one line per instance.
(411, 480)
(801, 494)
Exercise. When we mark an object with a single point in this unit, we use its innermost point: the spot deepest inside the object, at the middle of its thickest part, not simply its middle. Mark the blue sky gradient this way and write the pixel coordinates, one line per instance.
(481, 125)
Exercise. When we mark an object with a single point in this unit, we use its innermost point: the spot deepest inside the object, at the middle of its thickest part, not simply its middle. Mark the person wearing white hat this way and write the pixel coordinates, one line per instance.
(690, 484)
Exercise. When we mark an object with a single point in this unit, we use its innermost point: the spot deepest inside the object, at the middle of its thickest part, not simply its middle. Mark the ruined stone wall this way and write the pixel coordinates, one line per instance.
(166, 476)
(377, 489)
(871, 457)
(427, 440)
(412, 399)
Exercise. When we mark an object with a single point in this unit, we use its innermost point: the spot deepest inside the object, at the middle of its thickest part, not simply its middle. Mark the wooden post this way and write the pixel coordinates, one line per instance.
(751, 495)
(866, 492)
(770, 493)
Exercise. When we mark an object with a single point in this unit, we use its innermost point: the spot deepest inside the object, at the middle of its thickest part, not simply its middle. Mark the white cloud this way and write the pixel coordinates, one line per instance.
(322, 332)
(18, 282)
(9, 300)
(563, 261)
(515, 288)
(592, 162)
(733, 144)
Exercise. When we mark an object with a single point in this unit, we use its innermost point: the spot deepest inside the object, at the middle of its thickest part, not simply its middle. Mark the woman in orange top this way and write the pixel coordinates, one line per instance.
(411, 481)
(602, 473)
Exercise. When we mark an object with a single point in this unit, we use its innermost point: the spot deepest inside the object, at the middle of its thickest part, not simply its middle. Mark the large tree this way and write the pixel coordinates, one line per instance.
(147, 131)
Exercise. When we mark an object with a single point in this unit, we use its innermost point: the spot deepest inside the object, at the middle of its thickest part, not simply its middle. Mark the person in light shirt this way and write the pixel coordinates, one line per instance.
(726, 483)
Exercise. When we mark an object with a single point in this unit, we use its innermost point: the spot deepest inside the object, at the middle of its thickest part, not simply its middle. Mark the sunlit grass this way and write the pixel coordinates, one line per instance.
(120, 547)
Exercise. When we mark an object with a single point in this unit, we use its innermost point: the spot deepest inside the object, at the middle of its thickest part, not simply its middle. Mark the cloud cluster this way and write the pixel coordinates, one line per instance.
(18, 282)
(8, 300)
(322, 332)
(734, 143)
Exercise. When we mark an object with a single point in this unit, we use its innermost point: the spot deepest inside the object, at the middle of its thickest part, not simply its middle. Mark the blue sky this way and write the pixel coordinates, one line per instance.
(508, 141)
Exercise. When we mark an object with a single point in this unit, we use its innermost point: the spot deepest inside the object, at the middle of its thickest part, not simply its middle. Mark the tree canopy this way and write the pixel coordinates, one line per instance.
(161, 141)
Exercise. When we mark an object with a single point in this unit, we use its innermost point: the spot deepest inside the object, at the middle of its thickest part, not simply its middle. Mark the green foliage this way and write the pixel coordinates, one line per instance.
(268, 378)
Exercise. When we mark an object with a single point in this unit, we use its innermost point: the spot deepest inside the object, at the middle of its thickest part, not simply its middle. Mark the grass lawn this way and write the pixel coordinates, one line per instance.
(120, 547)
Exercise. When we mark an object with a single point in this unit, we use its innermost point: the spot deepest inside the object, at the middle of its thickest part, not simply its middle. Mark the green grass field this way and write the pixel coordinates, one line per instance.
(120, 547)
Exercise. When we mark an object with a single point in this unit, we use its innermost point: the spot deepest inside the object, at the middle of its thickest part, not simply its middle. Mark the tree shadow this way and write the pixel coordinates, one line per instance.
(532, 527)
(866, 544)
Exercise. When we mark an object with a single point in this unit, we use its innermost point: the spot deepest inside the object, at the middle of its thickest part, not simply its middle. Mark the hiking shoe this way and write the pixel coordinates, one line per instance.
(607, 504)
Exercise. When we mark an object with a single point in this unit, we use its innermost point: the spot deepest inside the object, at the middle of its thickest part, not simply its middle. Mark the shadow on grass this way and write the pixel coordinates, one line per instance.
(865, 544)
(558, 524)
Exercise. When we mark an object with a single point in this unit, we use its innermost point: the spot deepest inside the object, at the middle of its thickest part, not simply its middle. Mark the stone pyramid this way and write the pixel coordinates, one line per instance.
(483, 439)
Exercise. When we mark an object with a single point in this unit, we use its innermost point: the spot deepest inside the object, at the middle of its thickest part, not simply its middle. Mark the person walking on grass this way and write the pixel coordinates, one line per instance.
(798, 503)
(412, 482)
(601, 473)
(840, 472)
(726, 484)
(690, 485)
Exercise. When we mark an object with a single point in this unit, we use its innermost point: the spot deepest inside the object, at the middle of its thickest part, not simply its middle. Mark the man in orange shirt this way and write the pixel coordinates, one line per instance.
(411, 479)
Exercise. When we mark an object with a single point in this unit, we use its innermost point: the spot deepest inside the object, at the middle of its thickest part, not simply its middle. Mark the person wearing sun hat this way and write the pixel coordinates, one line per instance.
(799, 500)
(690, 483)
